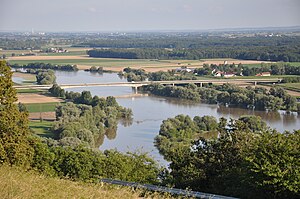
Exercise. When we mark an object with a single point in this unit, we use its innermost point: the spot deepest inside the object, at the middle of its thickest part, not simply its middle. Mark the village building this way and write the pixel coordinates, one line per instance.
(227, 75)
(183, 69)
(264, 74)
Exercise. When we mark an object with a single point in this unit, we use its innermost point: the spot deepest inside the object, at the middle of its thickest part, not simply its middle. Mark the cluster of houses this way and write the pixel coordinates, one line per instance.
(222, 74)
(56, 50)
(217, 73)
(230, 74)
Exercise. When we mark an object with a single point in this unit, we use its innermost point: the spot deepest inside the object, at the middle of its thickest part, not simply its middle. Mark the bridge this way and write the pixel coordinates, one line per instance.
(173, 83)
(173, 191)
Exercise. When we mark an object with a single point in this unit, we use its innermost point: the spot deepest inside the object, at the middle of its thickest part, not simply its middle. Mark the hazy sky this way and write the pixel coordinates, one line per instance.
(130, 15)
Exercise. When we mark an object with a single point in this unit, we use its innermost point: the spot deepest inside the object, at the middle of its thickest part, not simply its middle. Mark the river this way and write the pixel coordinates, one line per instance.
(150, 111)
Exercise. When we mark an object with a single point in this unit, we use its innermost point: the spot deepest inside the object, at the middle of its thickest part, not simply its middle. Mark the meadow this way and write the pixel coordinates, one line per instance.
(291, 86)
(41, 107)
(42, 128)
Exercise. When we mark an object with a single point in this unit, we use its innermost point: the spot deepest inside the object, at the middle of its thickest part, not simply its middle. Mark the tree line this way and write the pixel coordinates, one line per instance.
(197, 46)
(245, 159)
(244, 70)
(41, 65)
(260, 54)
(209, 70)
(229, 95)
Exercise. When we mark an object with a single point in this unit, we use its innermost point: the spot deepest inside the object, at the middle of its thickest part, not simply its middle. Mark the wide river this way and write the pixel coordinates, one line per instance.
(150, 111)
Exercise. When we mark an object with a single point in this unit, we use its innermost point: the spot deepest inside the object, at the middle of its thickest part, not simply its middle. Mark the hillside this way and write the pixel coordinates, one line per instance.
(15, 183)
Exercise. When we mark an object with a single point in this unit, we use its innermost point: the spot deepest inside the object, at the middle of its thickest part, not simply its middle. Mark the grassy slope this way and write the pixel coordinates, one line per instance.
(15, 183)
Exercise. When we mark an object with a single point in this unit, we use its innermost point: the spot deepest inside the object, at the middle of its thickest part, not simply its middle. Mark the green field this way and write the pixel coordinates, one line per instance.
(42, 128)
(291, 86)
(8, 53)
(42, 107)
(29, 91)
(111, 62)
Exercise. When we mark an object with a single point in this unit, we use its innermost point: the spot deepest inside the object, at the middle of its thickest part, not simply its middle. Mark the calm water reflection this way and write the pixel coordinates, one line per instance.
(63, 77)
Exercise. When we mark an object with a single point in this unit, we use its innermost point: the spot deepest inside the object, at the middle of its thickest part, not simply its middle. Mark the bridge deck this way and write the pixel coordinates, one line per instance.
(139, 84)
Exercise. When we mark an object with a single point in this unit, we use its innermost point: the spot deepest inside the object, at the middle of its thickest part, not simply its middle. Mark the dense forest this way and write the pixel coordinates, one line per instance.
(38, 65)
(286, 54)
(230, 95)
(249, 48)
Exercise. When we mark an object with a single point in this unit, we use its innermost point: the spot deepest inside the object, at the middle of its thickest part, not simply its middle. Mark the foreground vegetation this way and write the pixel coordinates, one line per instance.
(247, 160)
(15, 183)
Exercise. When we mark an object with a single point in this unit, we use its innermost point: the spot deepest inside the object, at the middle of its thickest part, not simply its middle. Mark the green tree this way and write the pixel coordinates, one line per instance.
(274, 164)
(14, 131)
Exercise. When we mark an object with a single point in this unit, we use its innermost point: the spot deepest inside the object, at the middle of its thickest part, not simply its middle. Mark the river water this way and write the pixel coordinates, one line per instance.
(150, 111)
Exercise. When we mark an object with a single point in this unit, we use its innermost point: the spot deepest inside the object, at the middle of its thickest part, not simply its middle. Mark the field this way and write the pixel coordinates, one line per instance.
(26, 76)
(8, 53)
(29, 91)
(41, 128)
(28, 98)
(41, 107)
(291, 86)
(85, 62)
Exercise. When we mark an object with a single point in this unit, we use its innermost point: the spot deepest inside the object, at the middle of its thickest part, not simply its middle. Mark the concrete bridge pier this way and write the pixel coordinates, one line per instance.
(135, 89)
(255, 83)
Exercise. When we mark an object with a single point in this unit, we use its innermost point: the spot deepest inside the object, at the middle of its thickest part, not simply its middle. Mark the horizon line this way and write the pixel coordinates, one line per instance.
(161, 30)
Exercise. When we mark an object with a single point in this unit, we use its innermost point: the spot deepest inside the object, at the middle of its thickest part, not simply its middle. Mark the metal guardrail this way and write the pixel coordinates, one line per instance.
(174, 191)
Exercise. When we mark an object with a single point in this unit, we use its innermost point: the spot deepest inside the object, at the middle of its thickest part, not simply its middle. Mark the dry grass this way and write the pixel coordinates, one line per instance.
(44, 115)
(15, 183)
(27, 98)
(26, 76)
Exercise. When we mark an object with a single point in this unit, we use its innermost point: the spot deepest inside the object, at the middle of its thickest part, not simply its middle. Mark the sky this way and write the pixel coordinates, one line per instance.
(145, 15)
